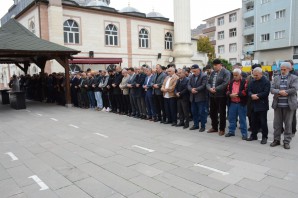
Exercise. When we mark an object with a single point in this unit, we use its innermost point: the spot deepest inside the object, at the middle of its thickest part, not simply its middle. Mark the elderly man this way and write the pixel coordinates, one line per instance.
(168, 89)
(132, 96)
(182, 94)
(258, 91)
(148, 95)
(125, 93)
(237, 100)
(284, 88)
(198, 97)
(217, 86)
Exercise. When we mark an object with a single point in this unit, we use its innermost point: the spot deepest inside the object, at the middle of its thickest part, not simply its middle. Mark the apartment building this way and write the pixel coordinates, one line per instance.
(270, 30)
(225, 33)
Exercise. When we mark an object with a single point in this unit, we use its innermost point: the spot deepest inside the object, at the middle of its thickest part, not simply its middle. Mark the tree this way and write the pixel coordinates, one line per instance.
(226, 64)
(205, 46)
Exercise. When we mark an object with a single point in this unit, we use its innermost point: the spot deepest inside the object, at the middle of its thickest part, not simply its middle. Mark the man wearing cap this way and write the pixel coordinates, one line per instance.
(217, 86)
(198, 97)
(284, 88)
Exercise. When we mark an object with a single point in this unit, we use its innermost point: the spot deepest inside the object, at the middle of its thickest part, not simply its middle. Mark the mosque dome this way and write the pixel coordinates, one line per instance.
(129, 9)
(97, 3)
(157, 15)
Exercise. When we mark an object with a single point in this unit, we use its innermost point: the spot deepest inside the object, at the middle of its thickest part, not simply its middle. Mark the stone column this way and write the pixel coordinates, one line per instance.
(182, 33)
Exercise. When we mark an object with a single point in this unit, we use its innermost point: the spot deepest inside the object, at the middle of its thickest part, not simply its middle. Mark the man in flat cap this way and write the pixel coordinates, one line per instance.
(217, 86)
(284, 88)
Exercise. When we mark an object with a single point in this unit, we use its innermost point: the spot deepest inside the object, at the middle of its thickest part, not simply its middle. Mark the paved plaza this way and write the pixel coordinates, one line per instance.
(49, 151)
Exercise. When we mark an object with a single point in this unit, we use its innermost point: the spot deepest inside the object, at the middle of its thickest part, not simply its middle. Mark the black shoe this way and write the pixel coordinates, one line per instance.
(180, 124)
(275, 143)
(202, 130)
(249, 129)
(185, 126)
(287, 146)
(174, 124)
(229, 135)
(167, 122)
(194, 128)
(244, 138)
(161, 122)
(155, 120)
(264, 141)
(251, 138)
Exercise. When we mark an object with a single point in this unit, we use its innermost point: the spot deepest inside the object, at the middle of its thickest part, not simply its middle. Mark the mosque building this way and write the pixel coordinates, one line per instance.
(103, 34)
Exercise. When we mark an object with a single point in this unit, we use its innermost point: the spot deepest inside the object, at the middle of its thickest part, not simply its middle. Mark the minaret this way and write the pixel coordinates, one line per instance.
(182, 33)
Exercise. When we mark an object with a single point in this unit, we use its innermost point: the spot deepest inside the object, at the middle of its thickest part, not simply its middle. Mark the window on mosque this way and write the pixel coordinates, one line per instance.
(144, 38)
(111, 33)
(32, 27)
(168, 41)
(71, 32)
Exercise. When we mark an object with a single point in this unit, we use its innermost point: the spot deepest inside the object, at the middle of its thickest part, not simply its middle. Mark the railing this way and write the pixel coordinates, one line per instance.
(249, 26)
(249, 44)
(15, 10)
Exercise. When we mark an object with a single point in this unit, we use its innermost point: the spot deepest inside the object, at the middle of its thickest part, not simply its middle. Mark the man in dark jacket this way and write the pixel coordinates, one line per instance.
(182, 94)
(139, 92)
(198, 97)
(118, 106)
(217, 86)
(258, 91)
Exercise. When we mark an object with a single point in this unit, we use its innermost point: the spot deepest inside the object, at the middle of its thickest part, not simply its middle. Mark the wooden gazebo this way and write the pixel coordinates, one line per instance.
(21, 47)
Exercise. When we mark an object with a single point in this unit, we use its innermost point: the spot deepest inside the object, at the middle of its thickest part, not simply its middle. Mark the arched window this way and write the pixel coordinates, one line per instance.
(32, 27)
(111, 33)
(168, 41)
(143, 38)
(71, 32)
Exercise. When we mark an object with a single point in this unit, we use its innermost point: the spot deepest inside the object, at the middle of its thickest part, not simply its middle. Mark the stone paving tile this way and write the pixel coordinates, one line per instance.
(143, 194)
(4, 174)
(95, 188)
(281, 183)
(54, 161)
(138, 157)
(180, 183)
(276, 173)
(33, 191)
(125, 161)
(276, 192)
(236, 191)
(9, 187)
(73, 192)
(217, 165)
(99, 150)
(21, 195)
(20, 174)
(122, 171)
(163, 157)
(115, 182)
(68, 156)
(163, 166)
(53, 179)
(146, 170)
(278, 163)
(252, 185)
(149, 184)
(73, 174)
(208, 193)
(174, 193)
(198, 178)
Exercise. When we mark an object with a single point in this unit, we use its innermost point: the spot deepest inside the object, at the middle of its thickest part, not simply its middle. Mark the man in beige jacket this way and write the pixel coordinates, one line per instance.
(125, 93)
(168, 89)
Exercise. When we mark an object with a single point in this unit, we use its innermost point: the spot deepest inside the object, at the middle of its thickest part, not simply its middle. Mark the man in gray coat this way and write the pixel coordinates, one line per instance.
(157, 81)
(284, 88)
(217, 86)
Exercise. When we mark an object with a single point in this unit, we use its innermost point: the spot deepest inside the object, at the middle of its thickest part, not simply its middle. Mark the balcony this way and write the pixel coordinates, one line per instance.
(248, 30)
(213, 42)
(208, 30)
(249, 13)
(249, 47)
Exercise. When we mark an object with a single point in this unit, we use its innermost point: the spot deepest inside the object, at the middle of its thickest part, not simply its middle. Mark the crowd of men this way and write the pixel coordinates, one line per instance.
(176, 96)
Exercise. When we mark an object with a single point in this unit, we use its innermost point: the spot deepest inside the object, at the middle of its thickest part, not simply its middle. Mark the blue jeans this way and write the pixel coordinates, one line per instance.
(98, 98)
(235, 110)
(199, 112)
(91, 99)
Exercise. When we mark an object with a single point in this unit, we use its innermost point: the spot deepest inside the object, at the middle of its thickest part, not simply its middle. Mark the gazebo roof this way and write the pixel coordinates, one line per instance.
(18, 45)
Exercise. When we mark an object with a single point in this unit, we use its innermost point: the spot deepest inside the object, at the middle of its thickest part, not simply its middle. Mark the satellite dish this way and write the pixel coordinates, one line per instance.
(171, 59)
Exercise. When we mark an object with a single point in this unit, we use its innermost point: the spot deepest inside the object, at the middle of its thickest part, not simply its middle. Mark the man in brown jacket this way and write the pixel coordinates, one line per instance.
(168, 89)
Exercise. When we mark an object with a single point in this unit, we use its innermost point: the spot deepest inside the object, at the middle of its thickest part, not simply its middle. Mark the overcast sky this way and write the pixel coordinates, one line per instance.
(200, 9)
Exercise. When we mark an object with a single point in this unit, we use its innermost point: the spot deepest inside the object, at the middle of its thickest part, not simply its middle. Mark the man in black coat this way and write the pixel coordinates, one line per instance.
(258, 91)
(118, 107)
(182, 94)
(139, 92)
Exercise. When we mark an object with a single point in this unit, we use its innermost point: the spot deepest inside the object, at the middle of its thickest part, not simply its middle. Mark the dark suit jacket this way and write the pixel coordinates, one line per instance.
(182, 88)
(117, 80)
(149, 84)
(158, 79)
(132, 81)
(223, 79)
(200, 86)
(262, 89)
(140, 78)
